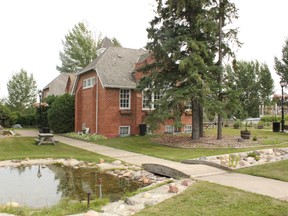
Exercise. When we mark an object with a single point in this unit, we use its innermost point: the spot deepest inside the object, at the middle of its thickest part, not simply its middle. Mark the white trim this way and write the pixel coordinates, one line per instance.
(168, 129)
(89, 82)
(120, 87)
(153, 100)
(97, 103)
(188, 130)
(128, 134)
(129, 102)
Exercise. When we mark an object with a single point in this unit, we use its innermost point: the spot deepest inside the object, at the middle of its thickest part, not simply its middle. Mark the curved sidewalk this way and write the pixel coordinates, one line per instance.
(273, 188)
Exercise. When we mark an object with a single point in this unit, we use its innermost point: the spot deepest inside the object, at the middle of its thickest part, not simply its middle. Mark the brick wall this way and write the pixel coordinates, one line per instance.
(85, 102)
(110, 117)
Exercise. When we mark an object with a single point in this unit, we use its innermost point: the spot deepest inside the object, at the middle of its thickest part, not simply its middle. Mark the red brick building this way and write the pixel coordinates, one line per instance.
(106, 99)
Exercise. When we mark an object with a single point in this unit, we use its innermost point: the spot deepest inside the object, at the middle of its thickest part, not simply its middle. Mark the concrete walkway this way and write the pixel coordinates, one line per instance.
(264, 186)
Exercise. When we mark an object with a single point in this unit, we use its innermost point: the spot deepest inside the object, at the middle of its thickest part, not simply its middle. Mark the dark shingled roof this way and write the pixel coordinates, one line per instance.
(106, 42)
(115, 65)
(58, 85)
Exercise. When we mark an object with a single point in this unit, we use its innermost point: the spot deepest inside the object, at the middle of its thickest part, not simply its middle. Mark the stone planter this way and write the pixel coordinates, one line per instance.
(245, 134)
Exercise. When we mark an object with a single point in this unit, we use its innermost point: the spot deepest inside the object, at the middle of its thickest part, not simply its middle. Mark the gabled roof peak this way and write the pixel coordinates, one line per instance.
(106, 43)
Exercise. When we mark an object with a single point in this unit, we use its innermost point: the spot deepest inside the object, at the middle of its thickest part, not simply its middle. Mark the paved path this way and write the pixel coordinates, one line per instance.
(264, 186)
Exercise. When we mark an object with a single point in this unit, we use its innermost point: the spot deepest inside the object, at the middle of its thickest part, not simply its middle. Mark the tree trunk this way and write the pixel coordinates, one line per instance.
(219, 128)
(196, 120)
(201, 121)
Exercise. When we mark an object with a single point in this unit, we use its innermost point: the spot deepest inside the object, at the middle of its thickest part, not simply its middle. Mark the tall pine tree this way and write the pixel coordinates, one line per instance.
(183, 38)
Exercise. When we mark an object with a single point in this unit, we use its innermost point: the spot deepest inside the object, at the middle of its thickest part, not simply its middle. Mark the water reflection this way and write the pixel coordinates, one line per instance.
(41, 186)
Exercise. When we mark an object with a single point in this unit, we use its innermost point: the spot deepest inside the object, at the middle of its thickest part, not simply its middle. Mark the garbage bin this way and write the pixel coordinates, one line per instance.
(45, 130)
(276, 126)
(142, 129)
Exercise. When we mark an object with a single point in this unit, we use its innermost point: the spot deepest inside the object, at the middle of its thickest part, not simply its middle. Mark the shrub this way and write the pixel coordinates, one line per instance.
(237, 124)
(261, 125)
(270, 118)
(8, 118)
(86, 137)
(254, 154)
(61, 114)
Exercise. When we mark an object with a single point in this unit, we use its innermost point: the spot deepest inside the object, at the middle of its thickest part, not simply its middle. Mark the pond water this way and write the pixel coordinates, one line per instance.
(43, 186)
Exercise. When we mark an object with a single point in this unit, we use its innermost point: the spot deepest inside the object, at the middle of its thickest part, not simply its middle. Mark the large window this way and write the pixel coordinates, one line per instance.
(125, 96)
(188, 129)
(149, 101)
(169, 129)
(124, 130)
(88, 83)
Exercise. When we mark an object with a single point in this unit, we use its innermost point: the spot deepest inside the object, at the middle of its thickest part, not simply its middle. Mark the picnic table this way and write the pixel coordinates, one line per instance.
(45, 138)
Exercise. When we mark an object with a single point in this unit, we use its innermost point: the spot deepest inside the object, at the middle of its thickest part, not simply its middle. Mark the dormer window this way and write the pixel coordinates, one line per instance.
(88, 83)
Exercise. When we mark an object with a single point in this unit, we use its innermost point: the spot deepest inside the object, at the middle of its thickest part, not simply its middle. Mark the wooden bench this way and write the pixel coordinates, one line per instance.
(45, 138)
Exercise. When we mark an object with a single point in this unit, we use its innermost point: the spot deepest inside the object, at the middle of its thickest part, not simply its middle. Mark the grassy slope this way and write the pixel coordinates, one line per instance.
(277, 170)
(209, 199)
(144, 145)
(24, 147)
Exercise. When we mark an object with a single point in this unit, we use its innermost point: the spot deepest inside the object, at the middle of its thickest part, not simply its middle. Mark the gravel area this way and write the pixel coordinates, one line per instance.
(184, 141)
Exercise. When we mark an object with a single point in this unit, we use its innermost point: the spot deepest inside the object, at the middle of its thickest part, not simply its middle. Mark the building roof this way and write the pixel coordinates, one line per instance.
(58, 85)
(106, 42)
(115, 65)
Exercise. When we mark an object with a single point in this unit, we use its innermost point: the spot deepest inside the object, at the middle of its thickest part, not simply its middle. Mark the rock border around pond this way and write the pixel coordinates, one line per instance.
(130, 205)
(242, 159)
(115, 168)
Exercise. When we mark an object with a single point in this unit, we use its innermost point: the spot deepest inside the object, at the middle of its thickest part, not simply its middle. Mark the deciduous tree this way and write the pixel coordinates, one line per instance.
(254, 82)
(79, 49)
(22, 90)
(281, 65)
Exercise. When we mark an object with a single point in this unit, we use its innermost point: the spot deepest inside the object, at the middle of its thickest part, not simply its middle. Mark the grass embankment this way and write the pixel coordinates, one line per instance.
(144, 145)
(209, 199)
(276, 170)
(63, 208)
(25, 147)
(202, 198)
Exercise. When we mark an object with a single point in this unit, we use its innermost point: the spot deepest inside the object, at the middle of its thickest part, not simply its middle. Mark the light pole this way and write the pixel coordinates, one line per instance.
(282, 83)
(40, 110)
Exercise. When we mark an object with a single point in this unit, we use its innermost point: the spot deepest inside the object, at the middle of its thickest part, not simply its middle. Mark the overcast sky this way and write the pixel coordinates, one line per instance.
(32, 31)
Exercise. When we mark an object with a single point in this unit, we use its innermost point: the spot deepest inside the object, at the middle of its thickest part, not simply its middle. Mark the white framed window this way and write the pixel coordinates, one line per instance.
(88, 83)
(188, 105)
(156, 96)
(149, 100)
(169, 129)
(125, 97)
(188, 129)
(146, 103)
(124, 130)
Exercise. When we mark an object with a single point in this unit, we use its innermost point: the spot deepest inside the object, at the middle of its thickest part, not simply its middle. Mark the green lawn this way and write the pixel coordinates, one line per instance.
(144, 145)
(25, 147)
(209, 199)
(277, 170)
(202, 198)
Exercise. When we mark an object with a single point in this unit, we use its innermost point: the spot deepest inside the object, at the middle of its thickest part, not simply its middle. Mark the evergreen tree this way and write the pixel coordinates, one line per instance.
(61, 114)
(183, 39)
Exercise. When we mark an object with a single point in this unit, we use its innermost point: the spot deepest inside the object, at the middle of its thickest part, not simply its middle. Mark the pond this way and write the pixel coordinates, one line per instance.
(40, 186)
